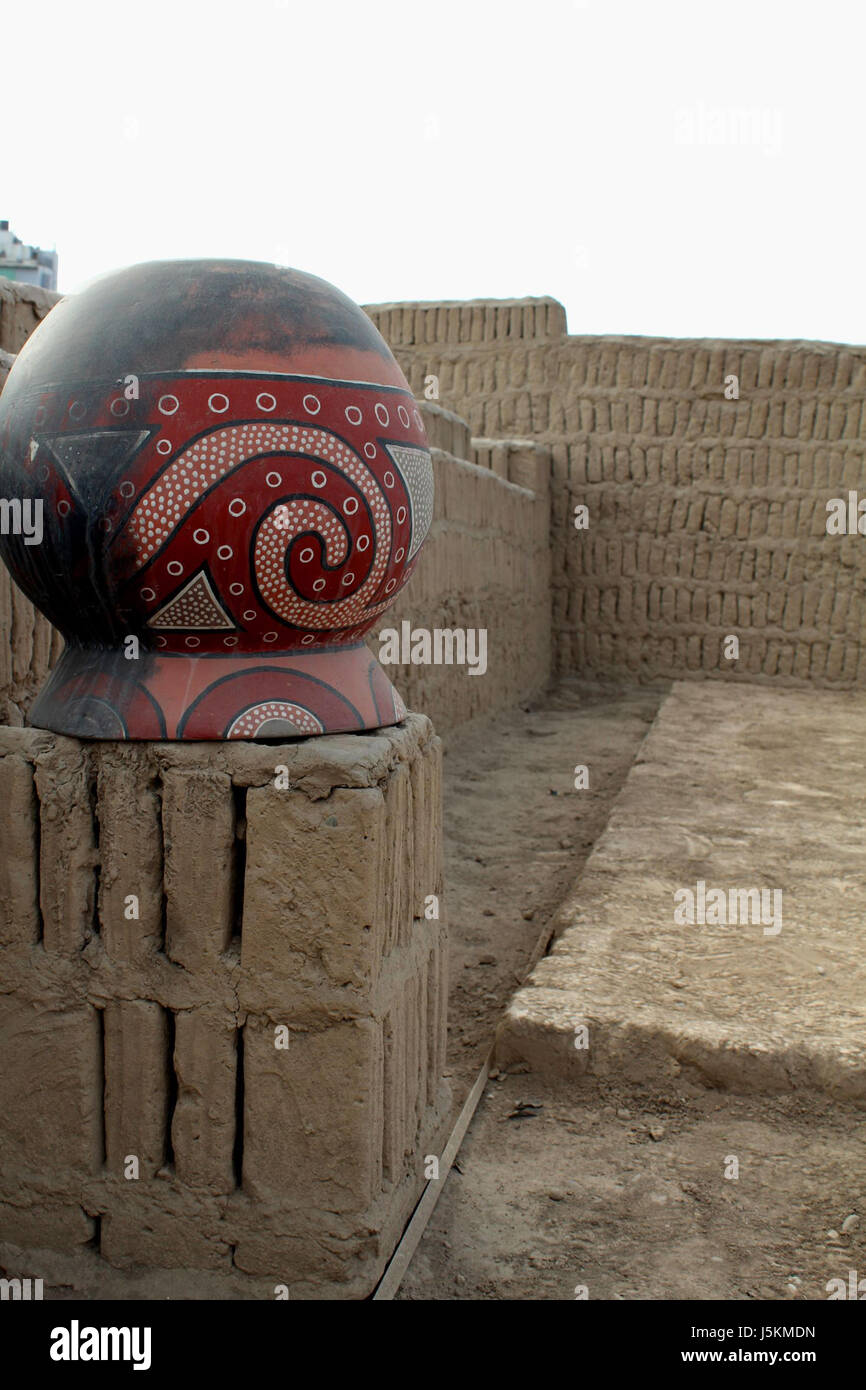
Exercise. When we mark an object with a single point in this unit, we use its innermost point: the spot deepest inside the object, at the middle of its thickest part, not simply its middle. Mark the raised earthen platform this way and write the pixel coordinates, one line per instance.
(736, 790)
(222, 1016)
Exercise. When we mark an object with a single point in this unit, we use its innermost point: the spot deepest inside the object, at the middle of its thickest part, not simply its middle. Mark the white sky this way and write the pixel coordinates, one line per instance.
(680, 167)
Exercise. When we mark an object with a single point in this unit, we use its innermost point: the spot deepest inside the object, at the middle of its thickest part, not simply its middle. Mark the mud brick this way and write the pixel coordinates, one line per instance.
(136, 1085)
(131, 855)
(199, 828)
(50, 1093)
(50, 1225)
(203, 1124)
(159, 1231)
(68, 853)
(20, 920)
(313, 1115)
(314, 910)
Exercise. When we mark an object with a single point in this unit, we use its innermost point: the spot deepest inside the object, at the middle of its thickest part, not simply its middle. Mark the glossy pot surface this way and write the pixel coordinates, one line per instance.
(234, 483)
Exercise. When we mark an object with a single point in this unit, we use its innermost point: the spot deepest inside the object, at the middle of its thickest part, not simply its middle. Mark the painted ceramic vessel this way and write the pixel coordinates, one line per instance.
(235, 484)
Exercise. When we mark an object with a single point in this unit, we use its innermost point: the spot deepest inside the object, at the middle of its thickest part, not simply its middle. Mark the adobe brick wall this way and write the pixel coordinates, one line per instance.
(707, 516)
(29, 646)
(485, 564)
(22, 308)
(154, 1035)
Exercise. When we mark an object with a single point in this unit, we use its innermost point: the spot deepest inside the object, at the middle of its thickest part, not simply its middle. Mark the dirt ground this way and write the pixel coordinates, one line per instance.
(624, 1194)
(517, 833)
(563, 1188)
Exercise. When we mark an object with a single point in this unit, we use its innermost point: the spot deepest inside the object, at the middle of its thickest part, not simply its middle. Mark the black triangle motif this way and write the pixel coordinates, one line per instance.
(92, 460)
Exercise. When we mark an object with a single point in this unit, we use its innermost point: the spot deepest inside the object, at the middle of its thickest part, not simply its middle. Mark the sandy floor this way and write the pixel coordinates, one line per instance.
(624, 1192)
(666, 1187)
(516, 835)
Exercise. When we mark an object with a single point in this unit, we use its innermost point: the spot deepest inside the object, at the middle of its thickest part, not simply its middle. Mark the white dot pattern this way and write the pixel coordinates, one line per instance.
(416, 470)
(219, 453)
(196, 606)
(248, 724)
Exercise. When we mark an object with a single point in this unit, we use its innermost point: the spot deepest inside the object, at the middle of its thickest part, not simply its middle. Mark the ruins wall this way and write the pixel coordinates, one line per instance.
(224, 1007)
(29, 645)
(485, 564)
(22, 308)
(259, 907)
(707, 516)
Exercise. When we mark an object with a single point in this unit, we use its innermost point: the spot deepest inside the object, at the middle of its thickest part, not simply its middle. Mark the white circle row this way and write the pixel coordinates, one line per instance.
(219, 403)
(233, 641)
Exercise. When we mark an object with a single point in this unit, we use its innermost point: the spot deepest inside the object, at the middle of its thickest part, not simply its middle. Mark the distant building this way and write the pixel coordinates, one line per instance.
(26, 263)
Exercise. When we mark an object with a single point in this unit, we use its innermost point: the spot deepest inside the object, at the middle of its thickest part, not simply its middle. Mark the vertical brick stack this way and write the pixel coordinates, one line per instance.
(223, 1017)
(707, 515)
(29, 645)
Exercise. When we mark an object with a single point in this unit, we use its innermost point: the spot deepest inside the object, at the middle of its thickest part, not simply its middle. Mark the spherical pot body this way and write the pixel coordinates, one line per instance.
(233, 483)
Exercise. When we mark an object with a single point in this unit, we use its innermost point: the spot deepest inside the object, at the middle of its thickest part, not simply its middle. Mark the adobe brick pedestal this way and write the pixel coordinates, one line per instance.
(223, 1017)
